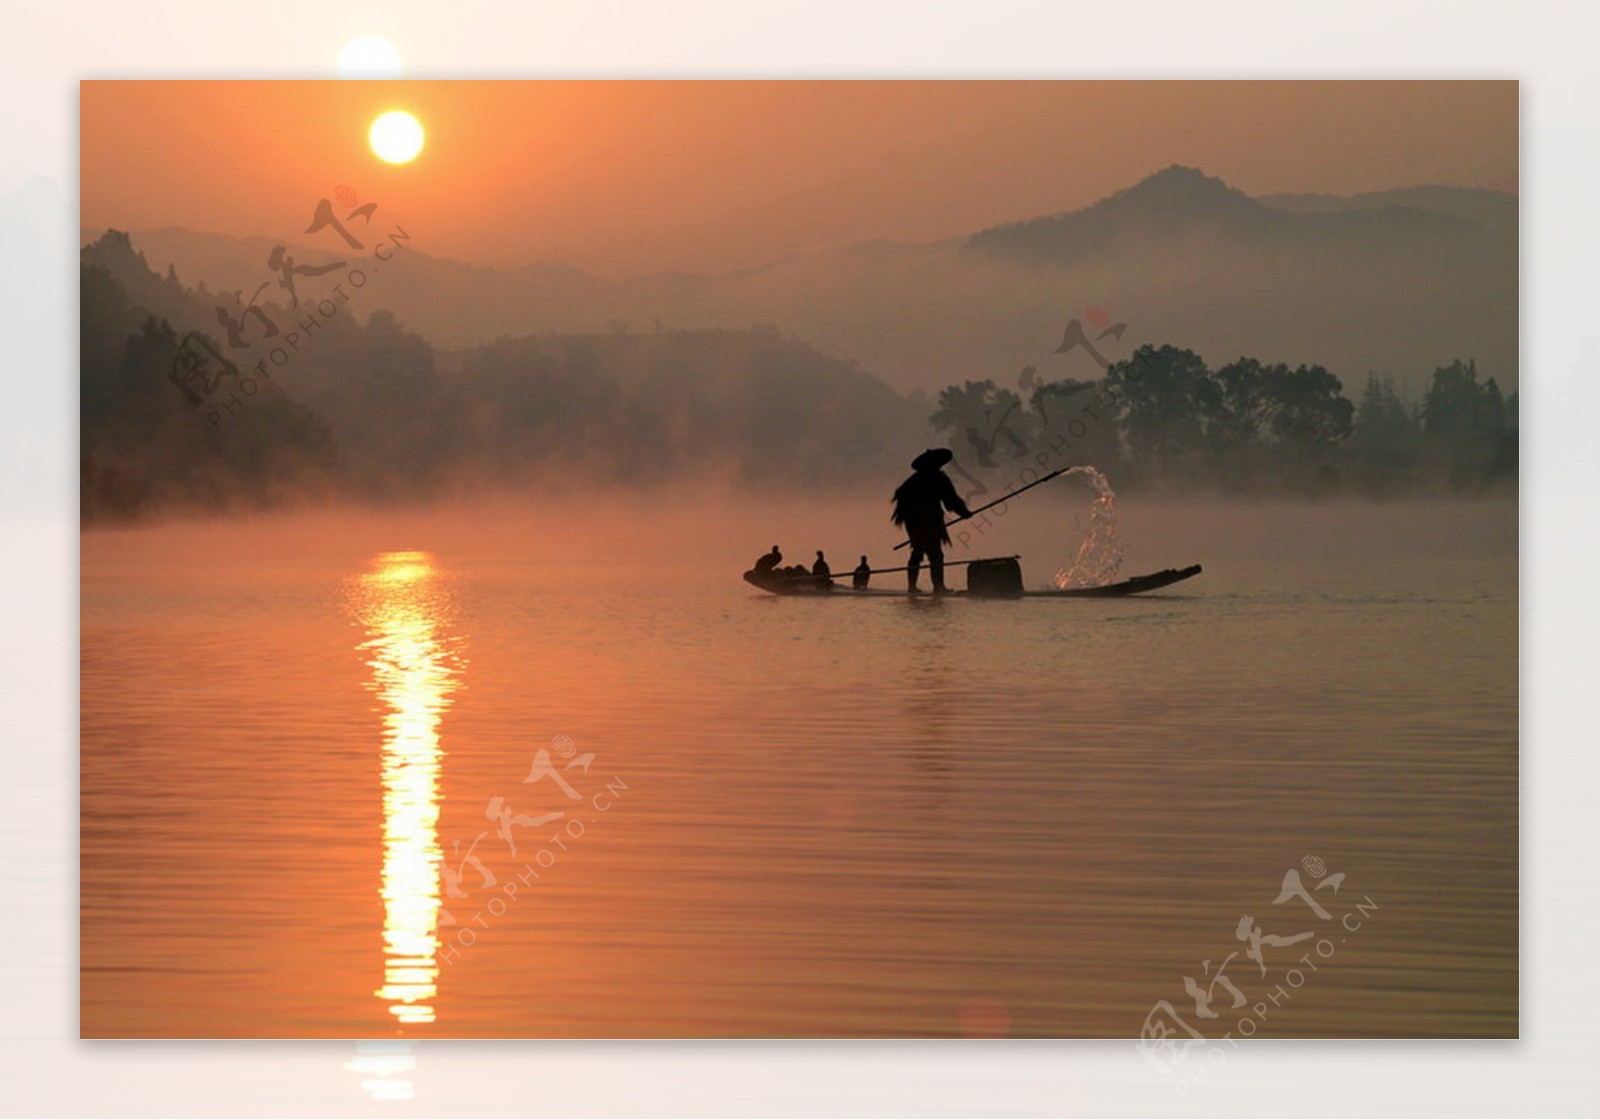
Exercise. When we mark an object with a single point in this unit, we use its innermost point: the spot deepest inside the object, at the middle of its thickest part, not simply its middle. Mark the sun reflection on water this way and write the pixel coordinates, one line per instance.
(404, 603)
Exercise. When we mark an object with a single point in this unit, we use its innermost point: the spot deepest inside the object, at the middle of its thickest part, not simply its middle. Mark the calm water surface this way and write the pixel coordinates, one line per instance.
(322, 762)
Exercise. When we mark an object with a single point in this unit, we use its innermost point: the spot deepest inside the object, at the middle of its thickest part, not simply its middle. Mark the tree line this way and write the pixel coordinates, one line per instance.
(1163, 417)
(366, 410)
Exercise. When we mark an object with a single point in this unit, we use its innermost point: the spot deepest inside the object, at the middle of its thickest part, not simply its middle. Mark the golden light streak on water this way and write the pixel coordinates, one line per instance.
(403, 602)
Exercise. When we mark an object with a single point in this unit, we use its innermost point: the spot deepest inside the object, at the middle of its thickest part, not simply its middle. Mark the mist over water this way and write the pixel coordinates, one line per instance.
(872, 817)
(820, 372)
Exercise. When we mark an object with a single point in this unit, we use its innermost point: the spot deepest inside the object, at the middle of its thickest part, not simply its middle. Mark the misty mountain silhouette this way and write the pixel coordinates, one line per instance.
(114, 252)
(1494, 211)
(1394, 281)
(1186, 202)
(367, 409)
(1176, 200)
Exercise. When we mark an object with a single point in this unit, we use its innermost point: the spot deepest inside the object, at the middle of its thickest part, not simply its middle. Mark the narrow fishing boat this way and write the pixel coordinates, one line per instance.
(998, 577)
(920, 504)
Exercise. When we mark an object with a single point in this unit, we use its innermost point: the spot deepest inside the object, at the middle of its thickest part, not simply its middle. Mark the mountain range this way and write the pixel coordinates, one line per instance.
(1394, 282)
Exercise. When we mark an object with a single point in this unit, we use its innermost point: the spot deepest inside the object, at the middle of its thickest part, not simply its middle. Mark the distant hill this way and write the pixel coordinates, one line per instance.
(1176, 202)
(362, 408)
(1396, 282)
(1495, 211)
(1182, 203)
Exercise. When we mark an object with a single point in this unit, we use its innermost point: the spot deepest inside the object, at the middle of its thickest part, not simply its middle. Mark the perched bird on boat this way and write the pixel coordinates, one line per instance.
(820, 569)
(863, 573)
(919, 507)
(768, 562)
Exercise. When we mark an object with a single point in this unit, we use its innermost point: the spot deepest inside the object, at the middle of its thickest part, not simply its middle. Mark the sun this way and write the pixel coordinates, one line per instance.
(396, 137)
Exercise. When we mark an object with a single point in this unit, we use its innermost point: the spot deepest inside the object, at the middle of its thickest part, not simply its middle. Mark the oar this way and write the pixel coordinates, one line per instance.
(997, 501)
(907, 568)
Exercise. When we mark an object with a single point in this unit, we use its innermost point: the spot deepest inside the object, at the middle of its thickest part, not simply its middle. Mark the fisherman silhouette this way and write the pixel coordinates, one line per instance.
(863, 573)
(820, 569)
(919, 505)
(768, 562)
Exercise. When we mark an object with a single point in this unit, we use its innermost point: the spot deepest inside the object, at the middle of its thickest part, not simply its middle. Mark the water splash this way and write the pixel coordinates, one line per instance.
(1099, 557)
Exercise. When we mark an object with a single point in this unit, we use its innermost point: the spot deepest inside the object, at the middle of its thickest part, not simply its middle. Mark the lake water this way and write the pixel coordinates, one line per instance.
(797, 817)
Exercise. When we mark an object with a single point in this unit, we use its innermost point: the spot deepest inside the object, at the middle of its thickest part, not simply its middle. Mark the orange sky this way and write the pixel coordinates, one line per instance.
(630, 177)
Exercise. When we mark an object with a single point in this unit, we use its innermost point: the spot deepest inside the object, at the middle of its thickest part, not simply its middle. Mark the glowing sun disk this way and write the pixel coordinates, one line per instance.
(396, 137)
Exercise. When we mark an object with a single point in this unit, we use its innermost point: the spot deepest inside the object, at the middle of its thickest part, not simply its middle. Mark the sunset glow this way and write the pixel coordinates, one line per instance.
(808, 560)
(614, 177)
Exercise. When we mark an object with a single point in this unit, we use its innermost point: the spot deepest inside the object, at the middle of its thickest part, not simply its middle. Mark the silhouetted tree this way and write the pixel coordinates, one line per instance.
(1170, 398)
(1464, 425)
(986, 423)
(1078, 420)
(1250, 427)
(1384, 444)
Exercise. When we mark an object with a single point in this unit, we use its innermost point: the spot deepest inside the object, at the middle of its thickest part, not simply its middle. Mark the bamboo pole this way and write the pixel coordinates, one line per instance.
(948, 563)
(997, 501)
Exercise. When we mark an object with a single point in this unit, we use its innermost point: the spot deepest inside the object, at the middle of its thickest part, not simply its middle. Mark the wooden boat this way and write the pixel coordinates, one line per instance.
(781, 584)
